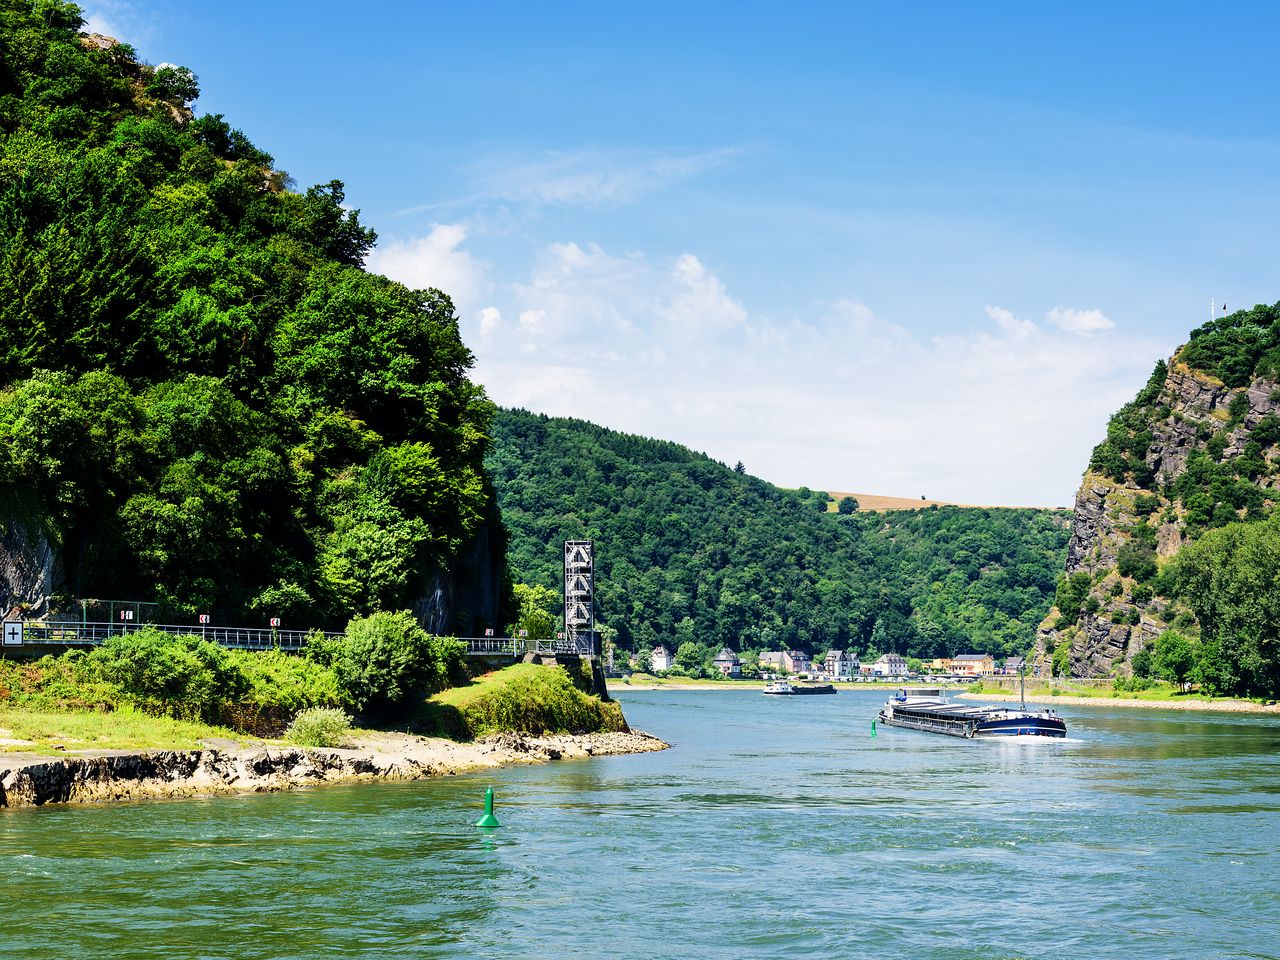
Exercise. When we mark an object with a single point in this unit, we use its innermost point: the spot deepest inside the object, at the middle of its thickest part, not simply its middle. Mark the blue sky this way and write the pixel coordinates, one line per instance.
(907, 249)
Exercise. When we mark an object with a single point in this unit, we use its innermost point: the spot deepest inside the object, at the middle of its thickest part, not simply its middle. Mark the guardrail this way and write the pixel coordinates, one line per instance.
(519, 646)
(73, 633)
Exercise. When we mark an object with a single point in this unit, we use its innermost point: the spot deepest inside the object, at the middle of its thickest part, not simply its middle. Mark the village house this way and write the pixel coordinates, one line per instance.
(728, 664)
(1013, 664)
(661, 659)
(841, 664)
(974, 665)
(796, 661)
(890, 665)
(770, 660)
(940, 664)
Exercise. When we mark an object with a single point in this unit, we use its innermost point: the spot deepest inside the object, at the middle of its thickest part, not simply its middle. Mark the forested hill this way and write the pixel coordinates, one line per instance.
(1175, 551)
(689, 549)
(205, 400)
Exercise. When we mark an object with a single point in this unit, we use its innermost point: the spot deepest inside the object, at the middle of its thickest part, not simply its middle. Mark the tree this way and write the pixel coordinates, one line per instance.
(847, 505)
(537, 606)
(1174, 657)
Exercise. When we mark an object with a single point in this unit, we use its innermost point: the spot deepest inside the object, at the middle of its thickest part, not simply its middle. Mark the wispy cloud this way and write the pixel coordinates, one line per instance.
(588, 177)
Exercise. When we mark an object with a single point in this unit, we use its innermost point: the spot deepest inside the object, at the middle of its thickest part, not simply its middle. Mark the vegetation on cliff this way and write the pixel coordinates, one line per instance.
(691, 551)
(204, 398)
(1170, 571)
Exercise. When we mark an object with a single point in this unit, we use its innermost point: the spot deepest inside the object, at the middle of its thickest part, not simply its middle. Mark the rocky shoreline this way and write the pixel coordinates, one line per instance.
(223, 767)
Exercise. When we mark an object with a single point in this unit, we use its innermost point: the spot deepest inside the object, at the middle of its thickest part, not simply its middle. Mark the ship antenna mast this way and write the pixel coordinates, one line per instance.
(1022, 675)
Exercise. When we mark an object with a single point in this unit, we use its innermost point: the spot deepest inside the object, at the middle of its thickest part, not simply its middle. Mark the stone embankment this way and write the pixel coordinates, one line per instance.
(228, 767)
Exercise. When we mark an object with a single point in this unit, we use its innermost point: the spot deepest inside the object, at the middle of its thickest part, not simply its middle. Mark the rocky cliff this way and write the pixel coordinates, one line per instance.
(1197, 449)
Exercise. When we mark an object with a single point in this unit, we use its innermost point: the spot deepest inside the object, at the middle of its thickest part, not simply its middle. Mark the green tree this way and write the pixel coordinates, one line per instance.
(1173, 657)
(847, 505)
(538, 606)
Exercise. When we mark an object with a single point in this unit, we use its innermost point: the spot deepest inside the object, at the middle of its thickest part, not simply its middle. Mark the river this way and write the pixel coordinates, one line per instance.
(776, 827)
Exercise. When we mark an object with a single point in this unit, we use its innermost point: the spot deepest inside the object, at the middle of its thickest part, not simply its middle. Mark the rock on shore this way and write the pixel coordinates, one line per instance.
(227, 767)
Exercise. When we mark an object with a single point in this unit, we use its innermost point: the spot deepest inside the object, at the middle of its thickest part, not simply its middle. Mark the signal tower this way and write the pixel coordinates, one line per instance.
(579, 598)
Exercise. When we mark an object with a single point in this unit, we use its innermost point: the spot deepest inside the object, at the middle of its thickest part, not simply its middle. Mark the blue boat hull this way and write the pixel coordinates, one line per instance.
(1032, 725)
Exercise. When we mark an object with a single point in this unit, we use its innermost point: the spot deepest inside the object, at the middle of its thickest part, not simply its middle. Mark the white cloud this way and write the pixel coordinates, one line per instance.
(1011, 325)
(490, 321)
(1002, 413)
(436, 260)
(1083, 323)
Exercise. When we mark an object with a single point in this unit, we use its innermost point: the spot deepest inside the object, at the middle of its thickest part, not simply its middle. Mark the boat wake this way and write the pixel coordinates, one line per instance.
(1023, 738)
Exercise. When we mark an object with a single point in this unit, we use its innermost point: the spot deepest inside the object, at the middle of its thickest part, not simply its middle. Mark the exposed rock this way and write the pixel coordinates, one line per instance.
(27, 781)
(30, 569)
(1191, 408)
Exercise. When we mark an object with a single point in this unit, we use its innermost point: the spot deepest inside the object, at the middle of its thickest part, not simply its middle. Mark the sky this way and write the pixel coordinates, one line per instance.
(916, 249)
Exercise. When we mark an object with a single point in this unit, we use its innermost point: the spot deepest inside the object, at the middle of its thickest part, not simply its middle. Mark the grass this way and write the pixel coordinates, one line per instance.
(525, 697)
(53, 732)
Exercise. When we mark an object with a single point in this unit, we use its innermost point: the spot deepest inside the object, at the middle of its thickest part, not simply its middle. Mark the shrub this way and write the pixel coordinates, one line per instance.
(525, 697)
(280, 681)
(182, 676)
(385, 658)
(319, 727)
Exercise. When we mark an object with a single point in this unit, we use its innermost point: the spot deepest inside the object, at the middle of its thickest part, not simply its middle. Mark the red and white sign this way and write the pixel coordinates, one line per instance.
(559, 634)
(126, 614)
(275, 621)
(204, 618)
(489, 632)
(524, 633)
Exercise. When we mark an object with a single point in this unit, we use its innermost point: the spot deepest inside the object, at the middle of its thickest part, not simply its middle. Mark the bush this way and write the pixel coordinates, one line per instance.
(385, 658)
(319, 727)
(181, 676)
(280, 681)
(527, 698)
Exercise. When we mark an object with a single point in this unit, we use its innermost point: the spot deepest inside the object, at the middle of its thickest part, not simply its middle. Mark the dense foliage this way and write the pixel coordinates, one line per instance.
(204, 399)
(691, 551)
(382, 664)
(1229, 579)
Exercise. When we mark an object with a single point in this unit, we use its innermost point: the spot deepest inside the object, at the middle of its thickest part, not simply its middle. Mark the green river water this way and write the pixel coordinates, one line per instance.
(776, 827)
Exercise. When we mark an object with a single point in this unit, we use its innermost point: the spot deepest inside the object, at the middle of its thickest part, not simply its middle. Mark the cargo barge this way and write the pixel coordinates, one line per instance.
(787, 689)
(925, 708)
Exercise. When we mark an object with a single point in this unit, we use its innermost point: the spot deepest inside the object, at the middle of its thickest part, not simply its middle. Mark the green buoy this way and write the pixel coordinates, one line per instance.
(488, 820)
(873, 728)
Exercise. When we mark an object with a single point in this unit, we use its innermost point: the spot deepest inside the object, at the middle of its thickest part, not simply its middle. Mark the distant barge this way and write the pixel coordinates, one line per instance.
(786, 689)
(927, 709)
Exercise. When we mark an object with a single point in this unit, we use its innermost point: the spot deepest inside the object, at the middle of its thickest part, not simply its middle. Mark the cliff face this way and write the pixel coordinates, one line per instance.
(30, 569)
(1190, 453)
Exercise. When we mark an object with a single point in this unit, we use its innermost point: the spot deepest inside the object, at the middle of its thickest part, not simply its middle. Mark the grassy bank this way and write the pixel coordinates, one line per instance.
(524, 697)
(56, 732)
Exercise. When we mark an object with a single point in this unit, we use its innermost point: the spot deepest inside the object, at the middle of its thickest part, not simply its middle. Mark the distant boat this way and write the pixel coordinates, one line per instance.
(787, 689)
(925, 708)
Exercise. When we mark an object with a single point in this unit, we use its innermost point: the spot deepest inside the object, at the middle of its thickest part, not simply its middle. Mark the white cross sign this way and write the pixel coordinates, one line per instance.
(13, 633)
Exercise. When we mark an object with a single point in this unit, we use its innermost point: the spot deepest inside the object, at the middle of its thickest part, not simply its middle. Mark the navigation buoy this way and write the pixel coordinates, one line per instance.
(873, 729)
(488, 820)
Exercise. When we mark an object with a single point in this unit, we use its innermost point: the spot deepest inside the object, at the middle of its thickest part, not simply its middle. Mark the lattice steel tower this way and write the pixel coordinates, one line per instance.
(579, 598)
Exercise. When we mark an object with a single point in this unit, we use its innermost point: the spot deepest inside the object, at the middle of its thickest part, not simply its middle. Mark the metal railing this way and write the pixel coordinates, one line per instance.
(519, 646)
(71, 633)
